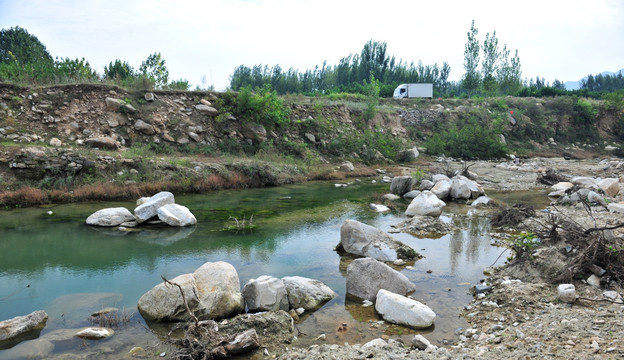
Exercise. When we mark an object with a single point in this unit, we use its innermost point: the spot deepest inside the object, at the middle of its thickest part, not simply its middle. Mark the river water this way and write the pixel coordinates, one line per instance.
(51, 260)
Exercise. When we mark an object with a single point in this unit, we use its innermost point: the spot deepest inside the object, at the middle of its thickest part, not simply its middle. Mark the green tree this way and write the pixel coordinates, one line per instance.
(74, 70)
(154, 67)
(508, 73)
(24, 47)
(118, 70)
(490, 62)
(372, 98)
(471, 80)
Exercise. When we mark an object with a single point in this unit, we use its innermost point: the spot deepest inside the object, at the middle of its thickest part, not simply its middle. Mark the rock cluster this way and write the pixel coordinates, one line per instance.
(595, 191)
(161, 206)
(213, 292)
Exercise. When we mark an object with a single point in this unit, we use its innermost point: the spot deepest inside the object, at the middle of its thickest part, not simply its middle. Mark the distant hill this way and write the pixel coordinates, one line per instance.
(575, 85)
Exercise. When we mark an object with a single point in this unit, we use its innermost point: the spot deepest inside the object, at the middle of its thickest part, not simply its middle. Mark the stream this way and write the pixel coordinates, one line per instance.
(50, 260)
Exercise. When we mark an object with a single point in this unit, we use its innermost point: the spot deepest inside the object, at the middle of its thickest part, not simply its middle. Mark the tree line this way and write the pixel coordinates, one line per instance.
(24, 59)
(489, 70)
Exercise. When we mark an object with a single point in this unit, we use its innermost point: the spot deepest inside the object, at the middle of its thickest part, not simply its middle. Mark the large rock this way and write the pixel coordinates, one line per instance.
(119, 105)
(365, 277)
(347, 166)
(102, 142)
(439, 177)
(254, 132)
(399, 309)
(176, 215)
(563, 185)
(566, 293)
(616, 207)
(206, 109)
(20, 325)
(425, 204)
(307, 293)
(364, 240)
(110, 217)
(212, 292)
(475, 189)
(401, 185)
(144, 127)
(584, 181)
(442, 189)
(610, 186)
(149, 208)
(265, 293)
(459, 189)
(409, 155)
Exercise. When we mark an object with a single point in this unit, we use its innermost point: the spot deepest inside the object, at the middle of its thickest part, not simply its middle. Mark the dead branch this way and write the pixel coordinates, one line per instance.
(588, 231)
(188, 309)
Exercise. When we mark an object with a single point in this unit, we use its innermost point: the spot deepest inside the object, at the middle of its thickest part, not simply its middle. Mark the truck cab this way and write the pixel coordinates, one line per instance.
(400, 92)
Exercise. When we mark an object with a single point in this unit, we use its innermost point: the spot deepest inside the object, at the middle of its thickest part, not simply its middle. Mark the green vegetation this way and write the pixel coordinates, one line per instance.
(470, 139)
(263, 106)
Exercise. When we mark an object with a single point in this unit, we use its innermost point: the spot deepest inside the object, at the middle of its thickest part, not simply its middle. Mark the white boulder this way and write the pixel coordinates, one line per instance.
(399, 309)
(176, 215)
(442, 189)
(425, 204)
(149, 208)
(566, 293)
(110, 217)
(266, 293)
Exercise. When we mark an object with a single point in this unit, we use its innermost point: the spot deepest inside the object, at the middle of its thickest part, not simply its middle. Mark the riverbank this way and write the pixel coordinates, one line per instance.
(522, 317)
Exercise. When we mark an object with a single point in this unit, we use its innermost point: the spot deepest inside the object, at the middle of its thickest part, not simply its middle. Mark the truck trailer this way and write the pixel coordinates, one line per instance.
(413, 91)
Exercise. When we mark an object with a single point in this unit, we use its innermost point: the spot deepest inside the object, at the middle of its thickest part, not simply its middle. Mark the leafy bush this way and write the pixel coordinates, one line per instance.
(586, 114)
(471, 141)
(263, 106)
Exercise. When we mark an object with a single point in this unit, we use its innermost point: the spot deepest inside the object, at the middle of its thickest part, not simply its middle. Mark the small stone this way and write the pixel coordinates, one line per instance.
(594, 281)
(321, 337)
(566, 293)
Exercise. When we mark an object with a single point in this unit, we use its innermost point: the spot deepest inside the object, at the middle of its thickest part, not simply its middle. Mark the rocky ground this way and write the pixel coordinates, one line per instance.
(522, 317)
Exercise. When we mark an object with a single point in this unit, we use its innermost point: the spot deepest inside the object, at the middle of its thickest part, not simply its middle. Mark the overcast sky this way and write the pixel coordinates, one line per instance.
(563, 40)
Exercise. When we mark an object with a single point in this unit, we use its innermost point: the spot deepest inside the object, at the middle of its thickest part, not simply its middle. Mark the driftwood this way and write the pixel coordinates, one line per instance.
(243, 342)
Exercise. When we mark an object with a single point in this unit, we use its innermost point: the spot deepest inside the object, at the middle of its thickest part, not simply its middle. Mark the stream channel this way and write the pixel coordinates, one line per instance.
(55, 262)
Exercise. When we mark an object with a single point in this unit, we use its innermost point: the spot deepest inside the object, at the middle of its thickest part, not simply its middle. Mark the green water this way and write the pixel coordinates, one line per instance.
(58, 264)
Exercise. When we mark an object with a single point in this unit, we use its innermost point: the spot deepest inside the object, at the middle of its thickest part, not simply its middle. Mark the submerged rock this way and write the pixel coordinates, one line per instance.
(305, 293)
(212, 291)
(95, 333)
(365, 277)
(364, 240)
(20, 325)
(110, 217)
(399, 309)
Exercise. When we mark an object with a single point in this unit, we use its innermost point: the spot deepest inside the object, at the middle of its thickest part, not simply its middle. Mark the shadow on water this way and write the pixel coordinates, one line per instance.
(59, 264)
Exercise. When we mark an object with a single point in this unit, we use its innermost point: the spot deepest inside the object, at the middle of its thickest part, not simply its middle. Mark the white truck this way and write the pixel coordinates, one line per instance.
(413, 91)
